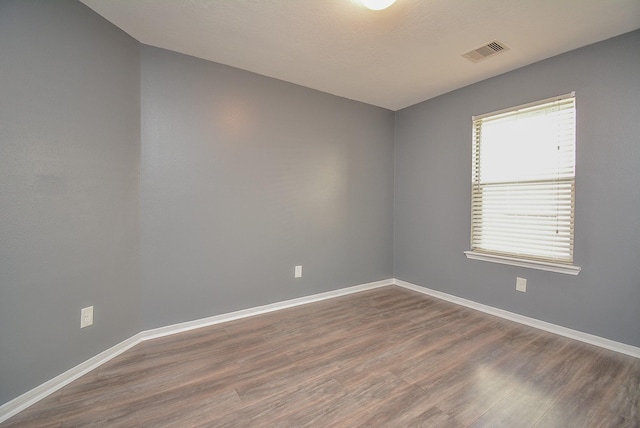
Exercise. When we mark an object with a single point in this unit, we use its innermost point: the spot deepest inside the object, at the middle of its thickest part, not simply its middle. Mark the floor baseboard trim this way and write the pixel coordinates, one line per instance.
(31, 397)
(258, 310)
(591, 339)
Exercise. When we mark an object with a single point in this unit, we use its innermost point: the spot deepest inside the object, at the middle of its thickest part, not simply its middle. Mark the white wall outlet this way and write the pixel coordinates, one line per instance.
(297, 272)
(521, 284)
(86, 317)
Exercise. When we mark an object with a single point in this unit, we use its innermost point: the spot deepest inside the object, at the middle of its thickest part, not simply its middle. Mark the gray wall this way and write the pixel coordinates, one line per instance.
(432, 193)
(243, 177)
(69, 172)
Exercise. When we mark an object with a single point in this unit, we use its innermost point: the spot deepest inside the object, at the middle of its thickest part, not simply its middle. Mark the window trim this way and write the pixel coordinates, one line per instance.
(526, 263)
(513, 259)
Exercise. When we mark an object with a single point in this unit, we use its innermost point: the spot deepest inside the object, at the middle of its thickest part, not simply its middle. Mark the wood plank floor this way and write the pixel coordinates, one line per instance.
(382, 358)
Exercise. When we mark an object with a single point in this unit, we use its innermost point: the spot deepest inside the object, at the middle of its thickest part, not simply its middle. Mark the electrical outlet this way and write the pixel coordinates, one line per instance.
(297, 272)
(521, 284)
(86, 317)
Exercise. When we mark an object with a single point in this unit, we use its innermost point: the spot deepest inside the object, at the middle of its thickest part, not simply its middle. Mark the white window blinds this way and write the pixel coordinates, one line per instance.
(523, 197)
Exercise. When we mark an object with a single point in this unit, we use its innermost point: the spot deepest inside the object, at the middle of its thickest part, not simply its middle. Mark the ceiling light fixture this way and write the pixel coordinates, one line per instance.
(377, 4)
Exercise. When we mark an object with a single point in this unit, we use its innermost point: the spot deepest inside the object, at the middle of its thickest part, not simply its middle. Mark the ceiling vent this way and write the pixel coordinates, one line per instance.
(485, 51)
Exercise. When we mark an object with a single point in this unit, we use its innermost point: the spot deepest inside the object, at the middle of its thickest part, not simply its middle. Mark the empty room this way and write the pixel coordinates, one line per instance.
(325, 213)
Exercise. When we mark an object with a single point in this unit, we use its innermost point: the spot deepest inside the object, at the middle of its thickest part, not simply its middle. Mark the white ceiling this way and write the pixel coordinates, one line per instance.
(392, 58)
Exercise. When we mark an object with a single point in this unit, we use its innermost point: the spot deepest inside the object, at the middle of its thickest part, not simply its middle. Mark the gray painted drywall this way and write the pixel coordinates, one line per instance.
(432, 193)
(69, 174)
(243, 177)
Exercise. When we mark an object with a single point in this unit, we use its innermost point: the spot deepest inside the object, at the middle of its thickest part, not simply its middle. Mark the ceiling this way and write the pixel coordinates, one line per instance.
(392, 58)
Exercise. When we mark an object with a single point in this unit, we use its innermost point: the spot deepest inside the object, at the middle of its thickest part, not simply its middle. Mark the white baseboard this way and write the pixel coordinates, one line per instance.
(204, 322)
(20, 403)
(25, 400)
(623, 348)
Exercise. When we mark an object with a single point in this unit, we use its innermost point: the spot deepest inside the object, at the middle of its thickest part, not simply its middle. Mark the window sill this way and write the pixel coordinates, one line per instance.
(532, 264)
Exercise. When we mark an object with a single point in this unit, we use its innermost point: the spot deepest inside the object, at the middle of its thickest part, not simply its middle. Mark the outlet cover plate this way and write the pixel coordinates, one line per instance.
(86, 317)
(297, 272)
(521, 284)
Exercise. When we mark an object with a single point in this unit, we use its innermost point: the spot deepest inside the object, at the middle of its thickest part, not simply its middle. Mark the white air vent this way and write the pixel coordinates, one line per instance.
(485, 51)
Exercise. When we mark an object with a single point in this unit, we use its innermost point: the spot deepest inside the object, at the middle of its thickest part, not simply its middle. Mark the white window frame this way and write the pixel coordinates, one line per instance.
(477, 252)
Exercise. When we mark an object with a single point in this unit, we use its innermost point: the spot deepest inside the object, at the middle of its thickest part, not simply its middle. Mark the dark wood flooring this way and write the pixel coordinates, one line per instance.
(382, 358)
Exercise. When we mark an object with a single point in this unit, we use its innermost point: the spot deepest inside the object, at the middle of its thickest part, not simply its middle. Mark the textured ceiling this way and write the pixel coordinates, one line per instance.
(392, 58)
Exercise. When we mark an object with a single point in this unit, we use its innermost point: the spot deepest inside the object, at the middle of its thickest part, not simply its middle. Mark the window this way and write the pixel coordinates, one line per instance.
(523, 186)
